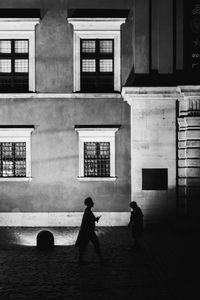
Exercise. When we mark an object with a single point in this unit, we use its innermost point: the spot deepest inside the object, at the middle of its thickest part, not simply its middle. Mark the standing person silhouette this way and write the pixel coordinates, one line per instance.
(136, 224)
(87, 232)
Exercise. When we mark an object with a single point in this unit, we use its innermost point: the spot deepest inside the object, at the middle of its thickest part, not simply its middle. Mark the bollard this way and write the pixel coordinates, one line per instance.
(45, 240)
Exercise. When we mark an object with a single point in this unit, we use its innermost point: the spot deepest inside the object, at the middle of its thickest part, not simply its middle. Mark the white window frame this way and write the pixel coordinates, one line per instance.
(12, 135)
(96, 28)
(20, 28)
(96, 135)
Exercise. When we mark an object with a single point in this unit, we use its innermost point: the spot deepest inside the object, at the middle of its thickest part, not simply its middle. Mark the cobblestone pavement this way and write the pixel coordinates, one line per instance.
(161, 270)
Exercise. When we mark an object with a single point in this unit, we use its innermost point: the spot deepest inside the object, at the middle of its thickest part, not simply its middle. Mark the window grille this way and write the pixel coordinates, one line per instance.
(106, 46)
(106, 65)
(88, 46)
(88, 65)
(97, 65)
(13, 159)
(14, 65)
(21, 46)
(5, 65)
(5, 46)
(96, 159)
(21, 65)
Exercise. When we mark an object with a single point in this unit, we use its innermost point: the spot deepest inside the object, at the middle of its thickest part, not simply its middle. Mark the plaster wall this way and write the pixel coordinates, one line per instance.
(147, 38)
(154, 146)
(141, 27)
(54, 52)
(54, 186)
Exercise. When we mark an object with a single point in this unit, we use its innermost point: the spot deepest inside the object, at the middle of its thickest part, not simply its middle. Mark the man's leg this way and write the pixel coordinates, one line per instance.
(82, 250)
(95, 241)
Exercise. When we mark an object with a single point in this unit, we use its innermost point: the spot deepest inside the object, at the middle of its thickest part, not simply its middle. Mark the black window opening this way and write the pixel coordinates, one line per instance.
(14, 65)
(154, 179)
(13, 159)
(96, 159)
(97, 65)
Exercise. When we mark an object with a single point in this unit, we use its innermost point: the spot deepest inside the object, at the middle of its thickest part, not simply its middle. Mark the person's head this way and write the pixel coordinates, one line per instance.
(133, 204)
(88, 202)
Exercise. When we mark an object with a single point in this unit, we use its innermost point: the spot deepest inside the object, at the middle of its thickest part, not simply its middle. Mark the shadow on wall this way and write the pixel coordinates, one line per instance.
(159, 207)
(131, 78)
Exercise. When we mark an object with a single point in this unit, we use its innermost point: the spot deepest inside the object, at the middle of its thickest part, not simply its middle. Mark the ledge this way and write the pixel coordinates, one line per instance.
(97, 178)
(15, 178)
(60, 95)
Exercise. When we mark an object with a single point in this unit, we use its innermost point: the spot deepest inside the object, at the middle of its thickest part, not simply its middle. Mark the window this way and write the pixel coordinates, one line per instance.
(15, 153)
(96, 153)
(17, 54)
(97, 65)
(96, 159)
(13, 65)
(96, 54)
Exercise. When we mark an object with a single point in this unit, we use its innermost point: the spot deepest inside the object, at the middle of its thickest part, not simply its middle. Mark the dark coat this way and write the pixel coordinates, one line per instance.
(87, 228)
(136, 222)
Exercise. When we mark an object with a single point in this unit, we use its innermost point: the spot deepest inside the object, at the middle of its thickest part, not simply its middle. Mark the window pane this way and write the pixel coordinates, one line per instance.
(13, 159)
(96, 159)
(20, 150)
(5, 65)
(21, 65)
(7, 159)
(88, 46)
(106, 65)
(5, 46)
(7, 150)
(106, 46)
(20, 159)
(21, 46)
(8, 168)
(88, 65)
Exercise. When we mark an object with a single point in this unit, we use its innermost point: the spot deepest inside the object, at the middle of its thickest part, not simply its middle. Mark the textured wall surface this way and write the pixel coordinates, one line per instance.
(54, 186)
(153, 146)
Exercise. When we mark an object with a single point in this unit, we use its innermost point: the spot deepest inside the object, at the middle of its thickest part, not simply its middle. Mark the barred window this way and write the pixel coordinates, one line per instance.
(14, 65)
(97, 65)
(13, 159)
(96, 159)
(96, 153)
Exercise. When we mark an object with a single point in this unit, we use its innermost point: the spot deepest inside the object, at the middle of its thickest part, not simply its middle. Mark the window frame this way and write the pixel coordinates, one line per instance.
(14, 135)
(13, 57)
(22, 29)
(97, 56)
(96, 28)
(95, 134)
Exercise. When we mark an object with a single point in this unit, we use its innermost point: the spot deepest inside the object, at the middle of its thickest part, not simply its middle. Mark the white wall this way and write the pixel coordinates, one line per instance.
(153, 145)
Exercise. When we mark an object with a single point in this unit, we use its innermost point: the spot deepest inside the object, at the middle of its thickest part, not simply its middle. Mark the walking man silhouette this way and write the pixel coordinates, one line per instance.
(87, 232)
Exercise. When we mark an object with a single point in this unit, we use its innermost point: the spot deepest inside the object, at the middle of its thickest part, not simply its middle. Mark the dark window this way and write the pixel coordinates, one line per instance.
(97, 65)
(192, 35)
(96, 159)
(154, 179)
(13, 159)
(14, 65)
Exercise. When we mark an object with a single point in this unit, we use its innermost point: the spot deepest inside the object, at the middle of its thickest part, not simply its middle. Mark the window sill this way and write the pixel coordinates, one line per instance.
(15, 178)
(97, 178)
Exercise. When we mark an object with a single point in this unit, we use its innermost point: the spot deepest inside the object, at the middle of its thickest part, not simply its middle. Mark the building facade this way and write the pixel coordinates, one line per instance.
(99, 99)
